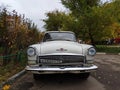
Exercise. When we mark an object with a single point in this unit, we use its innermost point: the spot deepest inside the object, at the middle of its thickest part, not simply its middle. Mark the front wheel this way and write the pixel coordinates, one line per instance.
(84, 75)
(36, 76)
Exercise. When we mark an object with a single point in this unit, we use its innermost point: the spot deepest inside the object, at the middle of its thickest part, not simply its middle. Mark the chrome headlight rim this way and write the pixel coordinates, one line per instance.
(31, 51)
(91, 51)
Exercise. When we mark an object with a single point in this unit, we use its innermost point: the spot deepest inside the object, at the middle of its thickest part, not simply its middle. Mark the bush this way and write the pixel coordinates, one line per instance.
(108, 49)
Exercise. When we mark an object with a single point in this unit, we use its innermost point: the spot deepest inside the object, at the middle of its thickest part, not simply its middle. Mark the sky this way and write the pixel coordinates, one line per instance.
(34, 9)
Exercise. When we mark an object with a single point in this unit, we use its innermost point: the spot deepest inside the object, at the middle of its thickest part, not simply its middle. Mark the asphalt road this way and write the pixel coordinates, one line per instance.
(108, 72)
(105, 78)
(57, 82)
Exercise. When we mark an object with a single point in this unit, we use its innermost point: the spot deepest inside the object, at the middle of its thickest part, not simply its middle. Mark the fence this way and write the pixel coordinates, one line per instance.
(13, 59)
(11, 64)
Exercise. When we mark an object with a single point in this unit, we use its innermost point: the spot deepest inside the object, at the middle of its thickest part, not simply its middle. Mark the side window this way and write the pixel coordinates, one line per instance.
(47, 37)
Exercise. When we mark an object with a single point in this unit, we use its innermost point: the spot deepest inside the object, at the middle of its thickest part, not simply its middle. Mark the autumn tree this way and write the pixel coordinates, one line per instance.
(54, 21)
(80, 7)
(87, 15)
(15, 32)
(113, 10)
(90, 19)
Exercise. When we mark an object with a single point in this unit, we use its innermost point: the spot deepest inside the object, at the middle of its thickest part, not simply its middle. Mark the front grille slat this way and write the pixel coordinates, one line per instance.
(61, 59)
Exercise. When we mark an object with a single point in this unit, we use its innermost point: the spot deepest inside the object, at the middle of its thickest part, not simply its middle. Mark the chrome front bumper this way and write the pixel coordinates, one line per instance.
(46, 70)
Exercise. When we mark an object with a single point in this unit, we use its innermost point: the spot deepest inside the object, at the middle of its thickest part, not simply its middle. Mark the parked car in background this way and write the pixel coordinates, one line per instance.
(59, 52)
(117, 40)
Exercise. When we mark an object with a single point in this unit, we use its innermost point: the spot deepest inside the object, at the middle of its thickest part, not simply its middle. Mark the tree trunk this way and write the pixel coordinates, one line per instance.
(91, 38)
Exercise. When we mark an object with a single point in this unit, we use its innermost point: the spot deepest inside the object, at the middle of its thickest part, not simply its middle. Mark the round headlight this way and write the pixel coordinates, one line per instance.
(31, 51)
(91, 51)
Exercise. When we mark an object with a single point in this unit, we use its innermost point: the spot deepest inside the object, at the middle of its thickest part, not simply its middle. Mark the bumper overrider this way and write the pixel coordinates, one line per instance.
(47, 70)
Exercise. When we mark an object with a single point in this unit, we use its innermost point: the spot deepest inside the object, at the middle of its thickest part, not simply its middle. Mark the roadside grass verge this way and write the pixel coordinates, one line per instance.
(8, 71)
(15, 65)
(112, 49)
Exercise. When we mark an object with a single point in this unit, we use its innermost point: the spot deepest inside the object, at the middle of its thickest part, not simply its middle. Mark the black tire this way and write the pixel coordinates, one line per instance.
(36, 76)
(84, 75)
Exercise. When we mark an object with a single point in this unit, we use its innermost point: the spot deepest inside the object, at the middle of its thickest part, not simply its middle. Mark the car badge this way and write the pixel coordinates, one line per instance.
(61, 49)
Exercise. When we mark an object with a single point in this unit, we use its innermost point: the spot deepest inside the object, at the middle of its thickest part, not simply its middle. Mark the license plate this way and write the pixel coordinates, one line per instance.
(50, 61)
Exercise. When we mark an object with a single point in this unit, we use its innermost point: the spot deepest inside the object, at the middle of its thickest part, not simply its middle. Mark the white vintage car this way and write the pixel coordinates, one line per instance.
(59, 52)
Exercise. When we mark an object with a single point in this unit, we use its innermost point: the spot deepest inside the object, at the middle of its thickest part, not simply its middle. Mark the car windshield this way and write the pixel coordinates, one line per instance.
(52, 36)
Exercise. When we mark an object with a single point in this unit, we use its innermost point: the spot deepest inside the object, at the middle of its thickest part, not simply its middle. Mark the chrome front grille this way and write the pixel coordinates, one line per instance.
(61, 59)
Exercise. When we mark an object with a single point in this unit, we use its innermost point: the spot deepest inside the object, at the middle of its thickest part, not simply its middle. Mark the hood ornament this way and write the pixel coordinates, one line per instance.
(61, 49)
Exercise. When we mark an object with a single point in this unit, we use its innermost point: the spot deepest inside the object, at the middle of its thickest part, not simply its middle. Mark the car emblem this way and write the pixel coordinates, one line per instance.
(61, 49)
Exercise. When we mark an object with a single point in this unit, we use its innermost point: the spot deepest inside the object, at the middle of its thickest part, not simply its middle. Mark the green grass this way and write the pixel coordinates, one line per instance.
(108, 48)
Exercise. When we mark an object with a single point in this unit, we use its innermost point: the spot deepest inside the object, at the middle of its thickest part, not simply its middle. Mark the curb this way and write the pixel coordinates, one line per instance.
(12, 79)
(102, 53)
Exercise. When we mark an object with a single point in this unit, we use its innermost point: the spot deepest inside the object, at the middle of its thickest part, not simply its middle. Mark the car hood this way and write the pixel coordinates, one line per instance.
(54, 47)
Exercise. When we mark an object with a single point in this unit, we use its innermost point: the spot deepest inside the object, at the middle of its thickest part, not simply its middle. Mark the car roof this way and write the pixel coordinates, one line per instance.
(59, 31)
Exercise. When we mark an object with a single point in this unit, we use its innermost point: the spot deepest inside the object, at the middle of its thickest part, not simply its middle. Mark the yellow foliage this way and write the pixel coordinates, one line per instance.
(6, 87)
